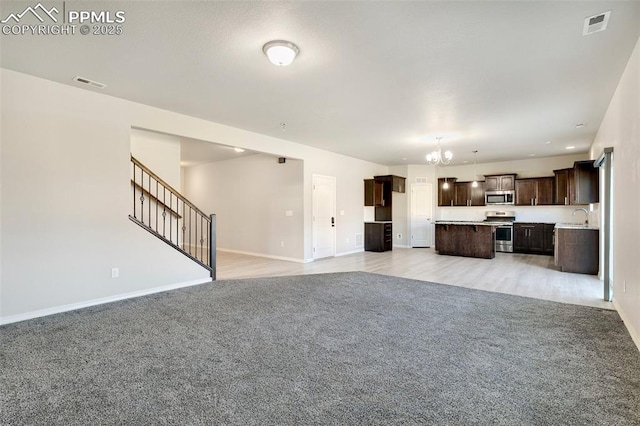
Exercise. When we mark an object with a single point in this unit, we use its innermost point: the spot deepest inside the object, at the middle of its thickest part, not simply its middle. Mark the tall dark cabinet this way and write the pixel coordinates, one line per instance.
(378, 194)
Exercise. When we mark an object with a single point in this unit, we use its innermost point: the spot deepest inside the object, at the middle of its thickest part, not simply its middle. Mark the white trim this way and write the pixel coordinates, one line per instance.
(93, 302)
(268, 256)
(635, 335)
(401, 246)
(345, 253)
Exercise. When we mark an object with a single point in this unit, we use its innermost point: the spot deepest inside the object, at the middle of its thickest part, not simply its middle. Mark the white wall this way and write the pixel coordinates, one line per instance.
(350, 174)
(250, 196)
(65, 202)
(66, 175)
(400, 212)
(620, 129)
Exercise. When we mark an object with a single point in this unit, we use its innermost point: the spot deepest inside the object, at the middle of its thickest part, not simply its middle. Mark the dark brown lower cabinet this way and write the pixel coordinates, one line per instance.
(533, 238)
(466, 240)
(378, 236)
(578, 250)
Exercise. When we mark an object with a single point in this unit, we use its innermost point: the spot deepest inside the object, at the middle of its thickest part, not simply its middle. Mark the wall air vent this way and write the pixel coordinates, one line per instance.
(359, 240)
(596, 23)
(89, 82)
(421, 179)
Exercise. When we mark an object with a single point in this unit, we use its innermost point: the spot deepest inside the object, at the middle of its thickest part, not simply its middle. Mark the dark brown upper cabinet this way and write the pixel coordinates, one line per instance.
(396, 183)
(373, 193)
(377, 193)
(577, 185)
(503, 182)
(564, 188)
(534, 191)
(446, 196)
(466, 195)
(587, 182)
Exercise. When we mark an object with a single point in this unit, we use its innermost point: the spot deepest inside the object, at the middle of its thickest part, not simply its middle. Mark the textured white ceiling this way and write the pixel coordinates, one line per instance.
(374, 80)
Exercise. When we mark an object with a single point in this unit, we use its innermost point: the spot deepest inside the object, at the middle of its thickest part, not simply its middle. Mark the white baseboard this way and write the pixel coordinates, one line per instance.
(268, 256)
(401, 246)
(344, 253)
(635, 334)
(79, 305)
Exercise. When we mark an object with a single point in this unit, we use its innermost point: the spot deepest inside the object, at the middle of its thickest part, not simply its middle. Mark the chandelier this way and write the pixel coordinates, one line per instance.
(438, 157)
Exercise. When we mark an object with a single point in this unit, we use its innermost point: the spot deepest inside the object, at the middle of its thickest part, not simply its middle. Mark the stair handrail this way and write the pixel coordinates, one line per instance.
(169, 187)
(180, 244)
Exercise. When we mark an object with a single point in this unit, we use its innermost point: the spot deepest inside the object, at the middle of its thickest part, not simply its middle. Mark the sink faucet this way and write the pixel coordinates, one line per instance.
(586, 214)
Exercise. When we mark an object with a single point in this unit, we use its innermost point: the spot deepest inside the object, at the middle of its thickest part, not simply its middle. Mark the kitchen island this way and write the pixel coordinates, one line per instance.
(469, 239)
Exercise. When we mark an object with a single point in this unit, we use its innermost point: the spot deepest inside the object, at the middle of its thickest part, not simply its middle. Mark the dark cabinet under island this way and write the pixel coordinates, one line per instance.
(466, 239)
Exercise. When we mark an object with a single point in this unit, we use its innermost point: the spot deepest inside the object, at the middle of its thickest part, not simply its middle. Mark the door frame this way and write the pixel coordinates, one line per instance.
(314, 236)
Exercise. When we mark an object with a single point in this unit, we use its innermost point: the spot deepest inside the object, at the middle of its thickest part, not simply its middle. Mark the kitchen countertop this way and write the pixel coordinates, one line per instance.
(576, 226)
(470, 222)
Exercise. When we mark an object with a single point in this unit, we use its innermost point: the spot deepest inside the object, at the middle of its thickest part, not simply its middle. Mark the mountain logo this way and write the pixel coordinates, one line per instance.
(33, 11)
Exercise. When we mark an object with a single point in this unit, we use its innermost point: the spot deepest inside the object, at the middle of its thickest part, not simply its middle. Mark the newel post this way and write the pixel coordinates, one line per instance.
(212, 246)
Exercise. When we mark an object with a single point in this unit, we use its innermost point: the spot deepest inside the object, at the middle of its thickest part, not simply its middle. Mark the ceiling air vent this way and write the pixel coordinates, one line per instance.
(596, 23)
(89, 82)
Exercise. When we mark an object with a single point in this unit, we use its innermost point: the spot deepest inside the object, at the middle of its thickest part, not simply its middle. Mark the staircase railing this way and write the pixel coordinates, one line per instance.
(167, 214)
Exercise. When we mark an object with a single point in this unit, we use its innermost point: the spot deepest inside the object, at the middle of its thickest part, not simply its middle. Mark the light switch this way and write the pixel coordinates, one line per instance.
(288, 213)
(341, 212)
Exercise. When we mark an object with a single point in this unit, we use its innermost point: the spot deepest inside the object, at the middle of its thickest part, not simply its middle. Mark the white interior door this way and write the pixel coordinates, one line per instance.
(324, 214)
(421, 215)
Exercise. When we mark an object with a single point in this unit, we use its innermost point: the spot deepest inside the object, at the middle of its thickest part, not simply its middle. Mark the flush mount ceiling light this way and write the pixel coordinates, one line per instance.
(281, 52)
(238, 150)
(438, 157)
(570, 147)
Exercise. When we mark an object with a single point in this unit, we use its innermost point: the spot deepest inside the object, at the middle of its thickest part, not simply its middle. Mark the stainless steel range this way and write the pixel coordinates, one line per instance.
(504, 230)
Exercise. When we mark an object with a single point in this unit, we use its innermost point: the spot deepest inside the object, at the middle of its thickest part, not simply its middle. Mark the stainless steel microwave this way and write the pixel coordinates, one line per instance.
(499, 197)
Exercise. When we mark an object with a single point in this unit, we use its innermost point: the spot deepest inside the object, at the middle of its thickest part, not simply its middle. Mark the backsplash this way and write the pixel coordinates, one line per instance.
(541, 214)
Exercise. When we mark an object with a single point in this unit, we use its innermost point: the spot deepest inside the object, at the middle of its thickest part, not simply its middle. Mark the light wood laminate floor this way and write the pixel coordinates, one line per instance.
(518, 274)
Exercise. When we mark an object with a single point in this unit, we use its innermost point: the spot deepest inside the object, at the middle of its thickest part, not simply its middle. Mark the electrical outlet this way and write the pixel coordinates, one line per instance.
(347, 239)
(399, 236)
(281, 243)
(115, 272)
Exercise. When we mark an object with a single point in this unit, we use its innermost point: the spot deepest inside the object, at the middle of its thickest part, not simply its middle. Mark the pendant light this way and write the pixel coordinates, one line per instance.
(445, 185)
(474, 184)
